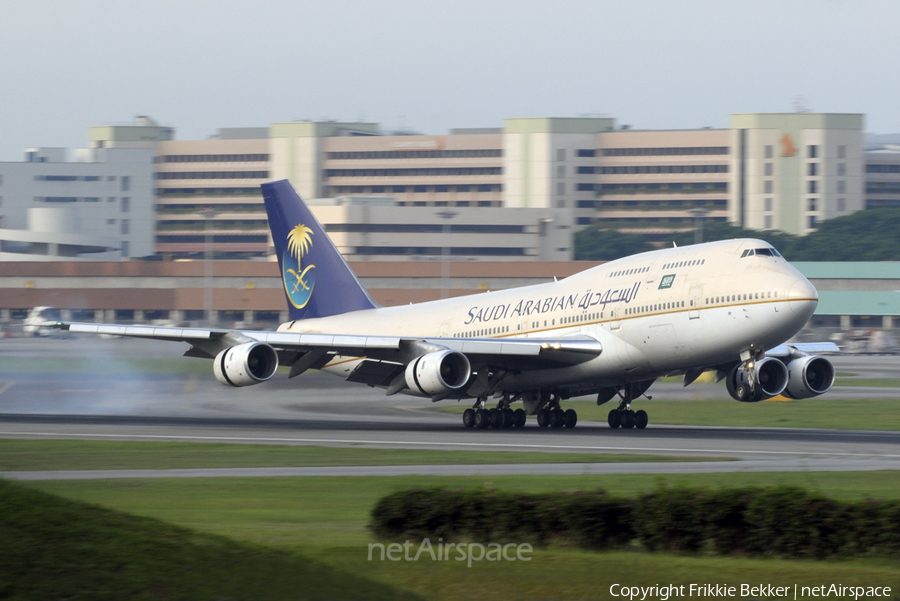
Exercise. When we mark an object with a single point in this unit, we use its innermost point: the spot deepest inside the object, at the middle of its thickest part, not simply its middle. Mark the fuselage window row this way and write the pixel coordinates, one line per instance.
(713, 300)
(679, 264)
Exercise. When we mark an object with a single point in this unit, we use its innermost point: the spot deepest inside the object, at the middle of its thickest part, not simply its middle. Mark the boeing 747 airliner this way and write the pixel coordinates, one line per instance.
(608, 332)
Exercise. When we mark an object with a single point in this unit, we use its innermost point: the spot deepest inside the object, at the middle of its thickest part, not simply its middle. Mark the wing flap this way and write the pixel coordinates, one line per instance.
(510, 353)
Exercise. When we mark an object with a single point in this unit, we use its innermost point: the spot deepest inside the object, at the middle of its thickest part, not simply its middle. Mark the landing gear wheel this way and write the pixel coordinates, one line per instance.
(543, 418)
(496, 418)
(507, 418)
(557, 418)
(469, 418)
(482, 419)
(742, 393)
(571, 418)
(519, 418)
(628, 419)
(614, 419)
(641, 419)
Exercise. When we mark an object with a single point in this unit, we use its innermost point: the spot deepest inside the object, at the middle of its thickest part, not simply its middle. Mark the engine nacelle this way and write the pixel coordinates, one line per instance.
(770, 379)
(246, 364)
(438, 373)
(809, 377)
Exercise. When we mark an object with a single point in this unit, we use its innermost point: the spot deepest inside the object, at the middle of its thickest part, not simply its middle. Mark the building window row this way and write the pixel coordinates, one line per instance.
(435, 251)
(883, 187)
(222, 208)
(882, 168)
(414, 189)
(653, 169)
(217, 224)
(880, 203)
(422, 228)
(681, 150)
(454, 171)
(67, 178)
(215, 238)
(213, 175)
(416, 154)
(254, 191)
(651, 204)
(650, 188)
(655, 221)
(213, 158)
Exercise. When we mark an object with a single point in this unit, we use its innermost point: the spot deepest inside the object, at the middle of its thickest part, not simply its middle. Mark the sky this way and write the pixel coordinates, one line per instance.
(429, 66)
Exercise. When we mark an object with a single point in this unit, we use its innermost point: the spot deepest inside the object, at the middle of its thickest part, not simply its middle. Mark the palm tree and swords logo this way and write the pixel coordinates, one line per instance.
(299, 281)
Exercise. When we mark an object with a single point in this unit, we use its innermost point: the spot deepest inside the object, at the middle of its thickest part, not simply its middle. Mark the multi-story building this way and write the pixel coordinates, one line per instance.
(767, 171)
(794, 170)
(654, 182)
(207, 191)
(87, 204)
(883, 171)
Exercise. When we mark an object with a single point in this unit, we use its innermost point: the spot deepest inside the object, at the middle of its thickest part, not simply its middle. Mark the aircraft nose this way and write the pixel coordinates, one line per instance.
(804, 297)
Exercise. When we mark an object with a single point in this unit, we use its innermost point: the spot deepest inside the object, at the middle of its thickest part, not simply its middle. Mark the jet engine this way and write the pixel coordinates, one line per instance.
(246, 364)
(770, 377)
(809, 376)
(437, 373)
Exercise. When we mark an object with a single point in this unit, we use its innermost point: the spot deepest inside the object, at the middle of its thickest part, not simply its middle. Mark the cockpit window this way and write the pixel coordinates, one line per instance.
(764, 252)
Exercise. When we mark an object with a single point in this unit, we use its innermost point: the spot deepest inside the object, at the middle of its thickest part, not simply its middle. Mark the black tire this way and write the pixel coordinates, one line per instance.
(614, 419)
(628, 420)
(641, 419)
(482, 419)
(742, 393)
(571, 418)
(519, 417)
(496, 418)
(469, 418)
(543, 418)
(557, 418)
(508, 418)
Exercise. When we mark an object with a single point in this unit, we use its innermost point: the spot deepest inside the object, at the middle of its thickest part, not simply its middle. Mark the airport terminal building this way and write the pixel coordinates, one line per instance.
(516, 192)
(401, 206)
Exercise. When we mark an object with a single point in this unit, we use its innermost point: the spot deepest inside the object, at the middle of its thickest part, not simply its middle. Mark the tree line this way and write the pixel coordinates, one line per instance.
(871, 235)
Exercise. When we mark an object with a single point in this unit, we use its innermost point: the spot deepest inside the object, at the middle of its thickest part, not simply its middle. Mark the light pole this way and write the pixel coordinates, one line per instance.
(445, 252)
(699, 213)
(208, 214)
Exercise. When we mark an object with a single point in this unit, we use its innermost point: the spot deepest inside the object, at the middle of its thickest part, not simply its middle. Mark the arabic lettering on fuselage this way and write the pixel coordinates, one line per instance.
(583, 300)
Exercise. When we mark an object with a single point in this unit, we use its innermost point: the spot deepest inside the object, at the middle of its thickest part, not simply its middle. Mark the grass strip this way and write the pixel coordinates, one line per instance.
(55, 548)
(821, 412)
(333, 510)
(326, 517)
(870, 382)
(37, 455)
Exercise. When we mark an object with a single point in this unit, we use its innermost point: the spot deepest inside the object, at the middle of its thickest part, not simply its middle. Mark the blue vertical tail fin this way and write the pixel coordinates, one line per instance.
(317, 280)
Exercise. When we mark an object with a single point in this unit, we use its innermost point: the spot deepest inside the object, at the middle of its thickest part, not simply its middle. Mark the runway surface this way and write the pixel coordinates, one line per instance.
(112, 402)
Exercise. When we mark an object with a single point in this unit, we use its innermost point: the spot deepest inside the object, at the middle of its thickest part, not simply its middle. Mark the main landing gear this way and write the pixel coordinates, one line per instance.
(623, 416)
(499, 418)
(628, 419)
(502, 417)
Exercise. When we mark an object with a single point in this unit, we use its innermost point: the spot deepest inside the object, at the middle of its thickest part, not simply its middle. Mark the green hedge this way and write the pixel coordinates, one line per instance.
(782, 521)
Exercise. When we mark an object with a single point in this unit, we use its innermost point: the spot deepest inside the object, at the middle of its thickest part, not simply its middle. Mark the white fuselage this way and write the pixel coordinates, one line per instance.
(654, 313)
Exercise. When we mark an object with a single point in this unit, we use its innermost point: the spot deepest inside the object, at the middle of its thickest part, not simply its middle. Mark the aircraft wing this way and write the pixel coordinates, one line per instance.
(303, 351)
